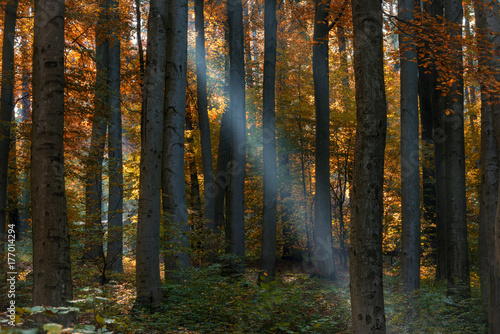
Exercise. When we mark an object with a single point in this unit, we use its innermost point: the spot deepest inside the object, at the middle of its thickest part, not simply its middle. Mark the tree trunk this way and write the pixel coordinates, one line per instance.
(140, 50)
(410, 180)
(52, 285)
(270, 213)
(115, 152)
(487, 20)
(173, 184)
(322, 232)
(458, 260)
(222, 176)
(204, 123)
(94, 232)
(427, 163)
(6, 108)
(236, 192)
(148, 279)
(367, 299)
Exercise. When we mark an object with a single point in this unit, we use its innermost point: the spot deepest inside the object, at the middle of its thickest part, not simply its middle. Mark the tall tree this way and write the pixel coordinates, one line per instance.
(52, 283)
(457, 250)
(6, 108)
(206, 145)
(94, 249)
(236, 191)
(488, 25)
(367, 298)
(115, 151)
(323, 247)
(269, 215)
(148, 279)
(173, 184)
(410, 180)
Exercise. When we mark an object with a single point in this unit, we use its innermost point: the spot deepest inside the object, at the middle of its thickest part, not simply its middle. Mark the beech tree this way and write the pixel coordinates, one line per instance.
(236, 190)
(410, 180)
(94, 249)
(173, 184)
(6, 108)
(367, 298)
(270, 212)
(488, 25)
(52, 284)
(457, 250)
(148, 279)
(201, 79)
(323, 251)
(115, 151)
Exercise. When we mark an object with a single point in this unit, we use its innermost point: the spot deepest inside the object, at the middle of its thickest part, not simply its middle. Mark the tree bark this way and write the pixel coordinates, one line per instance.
(52, 283)
(204, 123)
(173, 184)
(322, 232)
(270, 199)
(94, 232)
(367, 299)
(115, 151)
(488, 20)
(6, 108)
(236, 192)
(458, 260)
(148, 279)
(410, 169)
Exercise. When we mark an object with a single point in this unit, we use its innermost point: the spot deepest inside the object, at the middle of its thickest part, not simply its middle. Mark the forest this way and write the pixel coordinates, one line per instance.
(250, 166)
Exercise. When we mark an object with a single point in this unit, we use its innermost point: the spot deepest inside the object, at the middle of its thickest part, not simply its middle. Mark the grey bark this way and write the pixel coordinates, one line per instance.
(367, 299)
(236, 191)
(206, 145)
(322, 230)
(52, 283)
(148, 279)
(140, 50)
(458, 260)
(94, 232)
(6, 108)
(270, 199)
(410, 169)
(115, 151)
(173, 184)
(222, 176)
(488, 20)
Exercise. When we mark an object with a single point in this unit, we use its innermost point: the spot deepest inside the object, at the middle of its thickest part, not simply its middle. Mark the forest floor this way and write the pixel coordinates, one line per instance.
(205, 301)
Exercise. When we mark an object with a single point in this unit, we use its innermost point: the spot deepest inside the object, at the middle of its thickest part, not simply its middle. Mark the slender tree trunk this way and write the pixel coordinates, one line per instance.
(52, 283)
(148, 279)
(367, 298)
(195, 198)
(458, 260)
(427, 163)
(410, 180)
(489, 199)
(435, 10)
(204, 123)
(140, 50)
(270, 211)
(222, 176)
(236, 192)
(94, 232)
(322, 232)
(173, 184)
(24, 176)
(488, 20)
(6, 108)
(115, 151)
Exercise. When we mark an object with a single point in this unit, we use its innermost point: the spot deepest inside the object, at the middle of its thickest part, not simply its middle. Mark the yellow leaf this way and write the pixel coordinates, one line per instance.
(99, 319)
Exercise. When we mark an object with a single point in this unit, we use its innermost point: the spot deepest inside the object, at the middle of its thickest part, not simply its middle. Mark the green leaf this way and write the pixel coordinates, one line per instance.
(52, 328)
